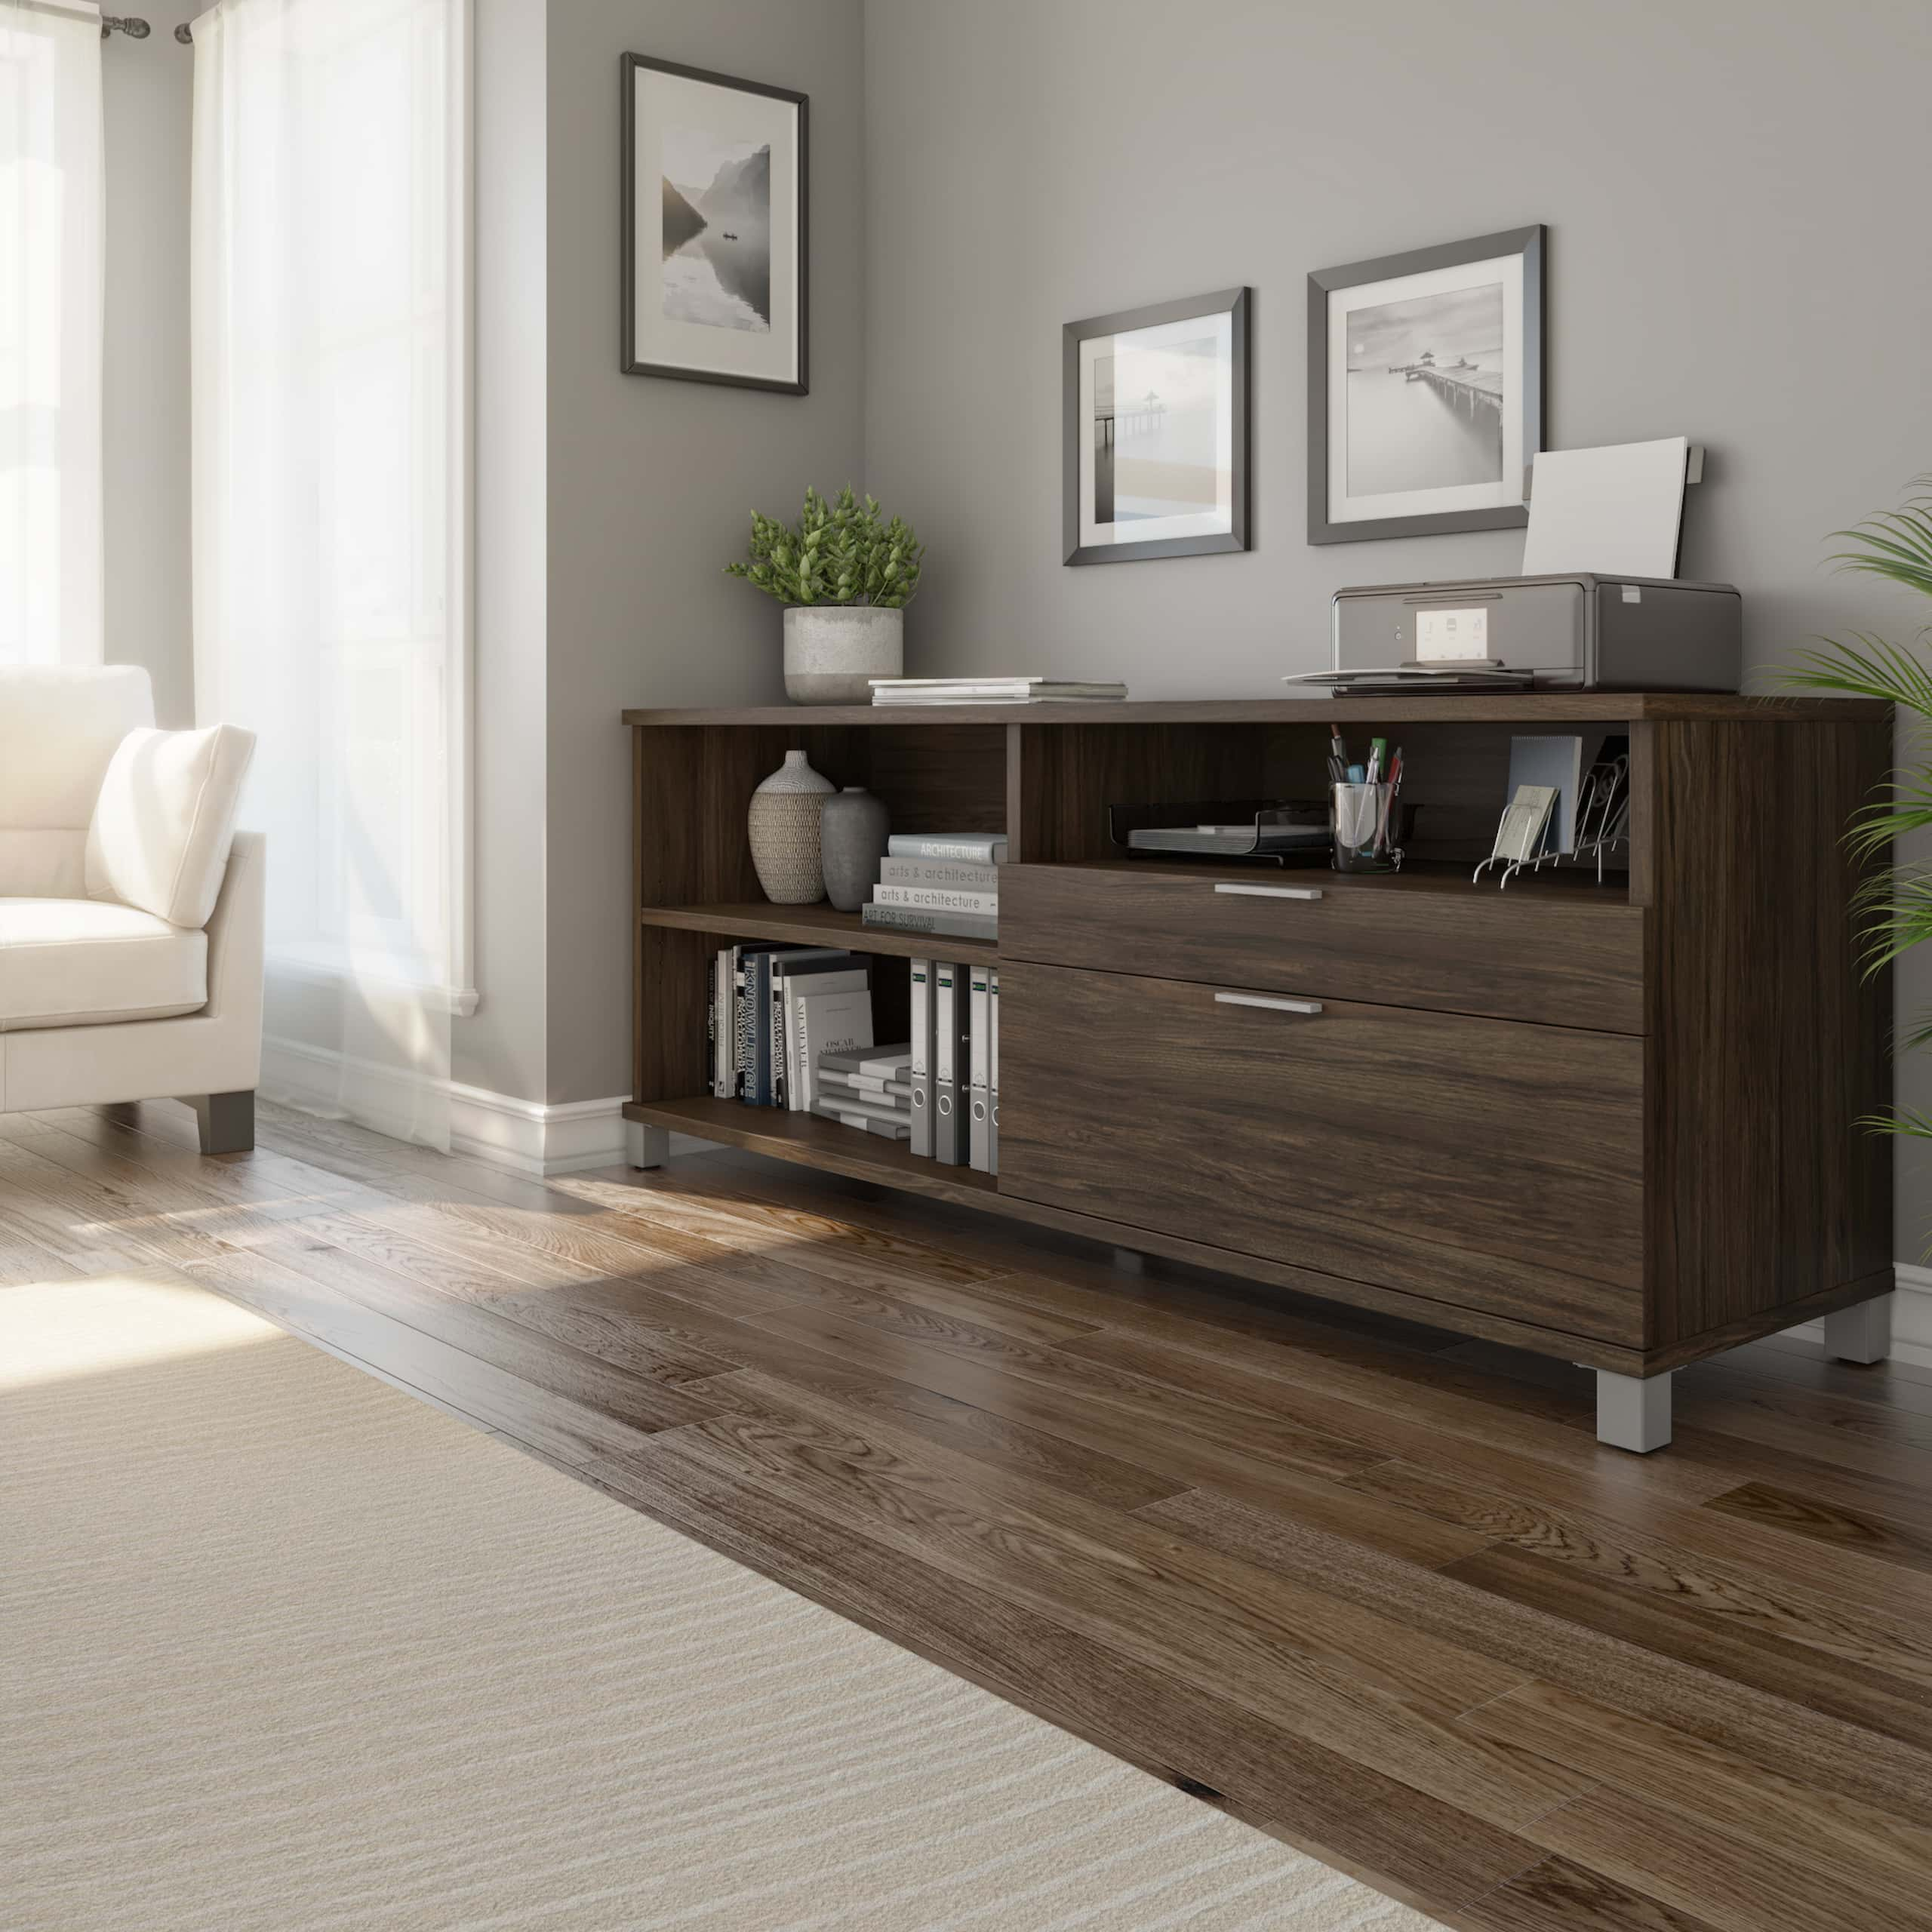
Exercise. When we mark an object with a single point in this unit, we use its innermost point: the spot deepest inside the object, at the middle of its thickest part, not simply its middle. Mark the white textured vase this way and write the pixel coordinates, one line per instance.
(833, 650)
(783, 828)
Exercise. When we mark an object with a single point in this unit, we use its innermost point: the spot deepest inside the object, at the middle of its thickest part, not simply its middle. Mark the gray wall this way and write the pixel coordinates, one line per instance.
(148, 85)
(652, 482)
(1734, 195)
(503, 1047)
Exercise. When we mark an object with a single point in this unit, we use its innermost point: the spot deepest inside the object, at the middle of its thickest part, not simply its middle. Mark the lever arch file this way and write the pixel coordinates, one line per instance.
(992, 1071)
(950, 1144)
(922, 1058)
(979, 1102)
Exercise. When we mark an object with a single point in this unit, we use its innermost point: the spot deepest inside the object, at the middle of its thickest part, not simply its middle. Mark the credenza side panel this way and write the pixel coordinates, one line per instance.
(1767, 1045)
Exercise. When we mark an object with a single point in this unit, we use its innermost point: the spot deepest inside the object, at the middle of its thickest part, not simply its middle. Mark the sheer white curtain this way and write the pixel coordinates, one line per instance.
(329, 521)
(51, 225)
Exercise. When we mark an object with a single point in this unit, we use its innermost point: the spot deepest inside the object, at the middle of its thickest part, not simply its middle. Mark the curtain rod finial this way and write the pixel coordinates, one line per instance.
(135, 29)
(185, 34)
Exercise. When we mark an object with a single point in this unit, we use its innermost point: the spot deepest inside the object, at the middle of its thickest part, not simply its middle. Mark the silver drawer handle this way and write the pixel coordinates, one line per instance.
(1271, 891)
(1273, 1005)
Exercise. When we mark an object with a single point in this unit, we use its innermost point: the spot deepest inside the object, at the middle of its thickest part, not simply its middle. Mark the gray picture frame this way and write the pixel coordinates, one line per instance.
(1238, 304)
(629, 66)
(1531, 244)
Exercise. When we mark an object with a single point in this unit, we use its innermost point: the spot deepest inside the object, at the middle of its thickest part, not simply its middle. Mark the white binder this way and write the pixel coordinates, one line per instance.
(980, 1057)
(922, 1058)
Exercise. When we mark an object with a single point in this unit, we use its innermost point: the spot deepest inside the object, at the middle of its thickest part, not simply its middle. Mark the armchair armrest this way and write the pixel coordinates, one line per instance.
(235, 930)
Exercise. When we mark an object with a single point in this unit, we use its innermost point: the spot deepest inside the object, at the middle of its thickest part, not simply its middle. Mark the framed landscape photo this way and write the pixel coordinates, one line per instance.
(1155, 408)
(714, 228)
(1426, 388)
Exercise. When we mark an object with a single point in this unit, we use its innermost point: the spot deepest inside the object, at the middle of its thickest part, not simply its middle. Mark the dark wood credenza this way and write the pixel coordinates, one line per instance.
(1614, 1123)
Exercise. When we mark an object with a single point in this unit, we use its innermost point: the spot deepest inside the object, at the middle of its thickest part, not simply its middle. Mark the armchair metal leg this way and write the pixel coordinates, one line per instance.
(226, 1121)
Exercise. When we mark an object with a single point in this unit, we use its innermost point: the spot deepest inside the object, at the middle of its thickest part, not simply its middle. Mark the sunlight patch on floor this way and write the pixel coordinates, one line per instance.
(49, 1334)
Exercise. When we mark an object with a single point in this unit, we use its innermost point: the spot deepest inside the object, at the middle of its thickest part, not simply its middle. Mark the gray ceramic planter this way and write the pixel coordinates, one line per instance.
(833, 651)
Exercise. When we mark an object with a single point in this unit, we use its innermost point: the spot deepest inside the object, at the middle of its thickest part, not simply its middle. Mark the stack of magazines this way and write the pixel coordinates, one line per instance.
(991, 691)
(944, 882)
(867, 1086)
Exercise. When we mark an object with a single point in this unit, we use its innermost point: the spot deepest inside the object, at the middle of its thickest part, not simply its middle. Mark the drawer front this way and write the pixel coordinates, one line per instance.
(1482, 1164)
(1509, 954)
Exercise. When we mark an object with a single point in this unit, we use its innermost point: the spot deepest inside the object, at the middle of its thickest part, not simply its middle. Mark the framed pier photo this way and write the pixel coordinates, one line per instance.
(1153, 405)
(1426, 388)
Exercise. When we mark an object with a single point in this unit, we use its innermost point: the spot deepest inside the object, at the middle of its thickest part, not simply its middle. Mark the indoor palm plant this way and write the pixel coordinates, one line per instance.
(844, 576)
(1896, 899)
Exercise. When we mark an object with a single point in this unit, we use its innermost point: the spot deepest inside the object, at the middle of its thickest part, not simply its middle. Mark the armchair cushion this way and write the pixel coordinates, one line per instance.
(165, 819)
(70, 962)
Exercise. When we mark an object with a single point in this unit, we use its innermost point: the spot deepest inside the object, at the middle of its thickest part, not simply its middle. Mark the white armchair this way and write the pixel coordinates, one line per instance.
(130, 910)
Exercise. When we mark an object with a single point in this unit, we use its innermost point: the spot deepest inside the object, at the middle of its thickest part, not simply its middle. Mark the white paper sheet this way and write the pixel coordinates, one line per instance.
(1617, 511)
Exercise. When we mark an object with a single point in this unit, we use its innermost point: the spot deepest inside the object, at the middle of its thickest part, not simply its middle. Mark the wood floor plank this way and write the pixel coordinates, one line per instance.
(1861, 1533)
(1765, 1728)
(1752, 1803)
(88, 1223)
(1345, 1678)
(1733, 1886)
(1140, 1408)
(958, 1427)
(1063, 1433)
(1858, 1694)
(705, 1201)
(24, 1259)
(647, 1401)
(1778, 1593)
(450, 1376)
(1402, 1417)
(1558, 1895)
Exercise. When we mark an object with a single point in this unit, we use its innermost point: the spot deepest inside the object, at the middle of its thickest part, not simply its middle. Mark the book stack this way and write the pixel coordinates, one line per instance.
(991, 690)
(774, 1011)
(940, 883)
(867, 1088)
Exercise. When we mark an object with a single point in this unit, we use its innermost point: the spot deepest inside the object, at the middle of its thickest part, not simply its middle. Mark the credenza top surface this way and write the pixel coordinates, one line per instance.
(1581, 707)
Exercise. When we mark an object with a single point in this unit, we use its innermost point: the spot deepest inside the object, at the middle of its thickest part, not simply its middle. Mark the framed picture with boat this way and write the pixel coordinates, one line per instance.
(714, 253)
(1426, 388)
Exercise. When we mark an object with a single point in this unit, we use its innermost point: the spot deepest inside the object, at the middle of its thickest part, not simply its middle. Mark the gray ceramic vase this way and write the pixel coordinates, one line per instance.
(783, 827)
(853, 826)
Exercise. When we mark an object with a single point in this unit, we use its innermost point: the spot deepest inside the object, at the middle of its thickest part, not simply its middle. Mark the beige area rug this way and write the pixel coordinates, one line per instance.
(281, 1647)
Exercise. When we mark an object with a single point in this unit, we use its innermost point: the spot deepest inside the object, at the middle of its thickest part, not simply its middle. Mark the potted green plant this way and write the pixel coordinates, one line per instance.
(1896, 899)
(844, 576)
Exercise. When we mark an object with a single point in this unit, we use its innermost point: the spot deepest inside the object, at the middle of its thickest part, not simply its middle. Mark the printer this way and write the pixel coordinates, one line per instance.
(1579, 631)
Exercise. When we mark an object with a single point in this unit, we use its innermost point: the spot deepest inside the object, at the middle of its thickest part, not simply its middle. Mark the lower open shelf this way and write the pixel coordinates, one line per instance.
(813, 1142)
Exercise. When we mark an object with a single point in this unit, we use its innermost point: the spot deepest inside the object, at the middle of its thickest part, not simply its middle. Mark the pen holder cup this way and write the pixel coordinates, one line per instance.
(1365, 821)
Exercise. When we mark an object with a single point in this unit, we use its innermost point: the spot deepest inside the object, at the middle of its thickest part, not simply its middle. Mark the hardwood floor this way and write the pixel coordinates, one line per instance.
(1372, 1589)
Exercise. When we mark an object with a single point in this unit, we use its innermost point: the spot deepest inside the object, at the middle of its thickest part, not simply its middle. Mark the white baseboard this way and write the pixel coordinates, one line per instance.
(525, 1136)
(1912, 1318)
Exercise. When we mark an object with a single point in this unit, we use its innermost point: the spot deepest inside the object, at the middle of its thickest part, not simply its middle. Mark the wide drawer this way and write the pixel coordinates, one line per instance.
(1484, 1164)
(1577, 962)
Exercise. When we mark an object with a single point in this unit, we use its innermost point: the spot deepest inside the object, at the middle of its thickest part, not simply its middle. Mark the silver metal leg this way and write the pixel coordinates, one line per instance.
(1633, 1411)
(647, 1147)
(1129, 1261)
(1863, 1333)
